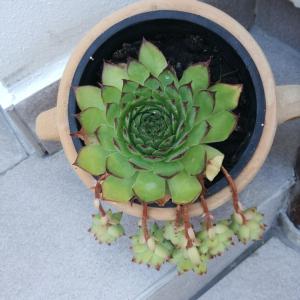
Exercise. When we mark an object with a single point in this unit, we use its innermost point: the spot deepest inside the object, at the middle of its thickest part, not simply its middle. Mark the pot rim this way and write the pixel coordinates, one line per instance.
(221, 19)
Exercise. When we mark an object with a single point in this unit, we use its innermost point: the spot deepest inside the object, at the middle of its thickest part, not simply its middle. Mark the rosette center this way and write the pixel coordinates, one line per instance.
(151, 128)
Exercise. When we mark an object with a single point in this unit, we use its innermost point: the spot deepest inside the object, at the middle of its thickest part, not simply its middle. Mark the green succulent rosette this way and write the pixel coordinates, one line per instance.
(175, 233)
(250, 227)
(189, 259)
(150, 131)
(153, 252)
(215, 240)
(107, 229)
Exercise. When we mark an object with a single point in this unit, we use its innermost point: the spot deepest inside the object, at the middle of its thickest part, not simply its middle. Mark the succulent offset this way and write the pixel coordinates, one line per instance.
(215, 240)
(252, 228)
(154, 251)
(107, 229)
(147, 137)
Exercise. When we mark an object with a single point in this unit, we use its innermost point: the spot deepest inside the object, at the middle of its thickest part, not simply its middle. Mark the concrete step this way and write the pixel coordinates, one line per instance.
(272, 272)
(11, 151)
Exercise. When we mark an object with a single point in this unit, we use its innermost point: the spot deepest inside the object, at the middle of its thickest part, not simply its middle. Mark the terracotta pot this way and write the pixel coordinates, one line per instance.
(274, 105)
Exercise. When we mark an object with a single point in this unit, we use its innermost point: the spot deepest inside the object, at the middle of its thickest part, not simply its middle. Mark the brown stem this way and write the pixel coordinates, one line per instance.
(103, 177)
(178, 213)
(101, 210)
(208, 215)
(144, 221)
(235, 196)
(98, 193)
(187, 225)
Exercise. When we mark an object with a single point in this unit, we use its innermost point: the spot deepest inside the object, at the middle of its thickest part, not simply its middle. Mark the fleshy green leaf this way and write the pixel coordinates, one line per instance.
(197, 133)
(168, 77)
(152, 83)
(88, 96)
(113, 75)
(221, 126)
(149, 187)
(143, 92)
(119, 166)
(130, 87)
(137, 72)
(105, 136)
(205, 101)
(186, 93)
(194, 160)
(196, 74)
(112, 113)
(111, 94)
(214, 162)
(92, 158)
(167, 169)
(152, 58)
(184, 188)
(91, 118)
(226, 96)
(141, 163)
(118, 189)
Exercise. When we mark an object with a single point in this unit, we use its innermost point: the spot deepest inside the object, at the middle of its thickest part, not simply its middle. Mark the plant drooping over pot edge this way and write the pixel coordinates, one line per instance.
(147, 137)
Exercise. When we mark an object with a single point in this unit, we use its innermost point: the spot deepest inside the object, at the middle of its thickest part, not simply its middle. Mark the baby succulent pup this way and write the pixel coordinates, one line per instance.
(148, 137)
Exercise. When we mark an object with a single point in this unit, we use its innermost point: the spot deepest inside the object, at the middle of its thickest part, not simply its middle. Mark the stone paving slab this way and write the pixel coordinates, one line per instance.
(284, 60)
(280, 19)
(28, 110)
(241, 10)
(272, 272)
(11, 151)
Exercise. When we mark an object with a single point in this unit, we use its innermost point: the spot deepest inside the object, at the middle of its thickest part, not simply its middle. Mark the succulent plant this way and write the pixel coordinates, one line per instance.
(147, 137)
(175, 234)
(154, 251)
(153, 129)
(107, 229)
(215, 240)
(248, 226)
(189, 259)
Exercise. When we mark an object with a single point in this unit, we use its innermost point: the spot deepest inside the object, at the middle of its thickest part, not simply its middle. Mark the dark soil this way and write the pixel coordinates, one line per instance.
(182, 50)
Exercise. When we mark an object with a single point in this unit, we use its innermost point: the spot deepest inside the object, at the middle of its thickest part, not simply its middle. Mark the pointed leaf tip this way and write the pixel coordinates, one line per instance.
(91, 118)
(152, 58)
(198, 75)
(137, 72)
(88, 96)
(221, 125)
(113, 74)
(226, 96)
(92, 158)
